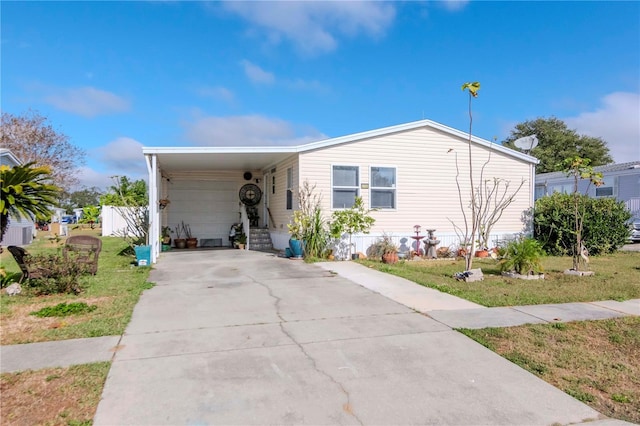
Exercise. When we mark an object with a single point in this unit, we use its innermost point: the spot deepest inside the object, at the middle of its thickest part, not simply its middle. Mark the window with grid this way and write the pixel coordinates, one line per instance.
(289, 188)
(383, 188)
(345, 186)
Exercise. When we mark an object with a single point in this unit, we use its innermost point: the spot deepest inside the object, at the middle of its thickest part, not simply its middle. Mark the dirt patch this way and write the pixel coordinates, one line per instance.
(17, 322)
(52, 396)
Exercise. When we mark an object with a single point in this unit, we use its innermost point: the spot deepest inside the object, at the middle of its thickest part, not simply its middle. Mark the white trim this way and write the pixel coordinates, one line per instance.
(395, 188)
(357, 186)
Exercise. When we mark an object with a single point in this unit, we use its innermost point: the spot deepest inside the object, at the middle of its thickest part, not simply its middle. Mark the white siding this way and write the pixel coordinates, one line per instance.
(426, 187)
(278, 201)
(207, 201)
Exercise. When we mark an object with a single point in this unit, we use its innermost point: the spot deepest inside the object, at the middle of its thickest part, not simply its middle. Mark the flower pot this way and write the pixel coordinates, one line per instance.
(166, 240)
(482, 253)
(241, 246)
(390, 258)
(180, 243)
(192, 243)
(296, 248)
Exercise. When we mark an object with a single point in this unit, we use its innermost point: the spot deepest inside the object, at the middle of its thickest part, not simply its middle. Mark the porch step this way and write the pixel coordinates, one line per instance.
(260, 239)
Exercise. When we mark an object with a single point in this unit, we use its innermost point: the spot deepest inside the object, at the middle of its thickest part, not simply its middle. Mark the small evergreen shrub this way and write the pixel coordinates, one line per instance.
(64, 310)
(605, 226)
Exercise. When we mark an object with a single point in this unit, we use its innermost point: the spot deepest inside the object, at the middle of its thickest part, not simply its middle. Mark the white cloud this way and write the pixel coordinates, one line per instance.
(218, 92)
(313, 27)
(453, 5)
(87, 101)
(247, 130)
(257, 74)
(89, 178)
(617, 121)
(123, 156)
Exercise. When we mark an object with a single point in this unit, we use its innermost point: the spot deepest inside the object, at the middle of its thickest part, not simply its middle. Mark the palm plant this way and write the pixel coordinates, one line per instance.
(27, 192)
(523, 256)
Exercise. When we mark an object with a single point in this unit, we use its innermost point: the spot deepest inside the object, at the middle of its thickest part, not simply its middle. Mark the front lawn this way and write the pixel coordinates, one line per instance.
(596, 362)
(115, 290)
(617, 278)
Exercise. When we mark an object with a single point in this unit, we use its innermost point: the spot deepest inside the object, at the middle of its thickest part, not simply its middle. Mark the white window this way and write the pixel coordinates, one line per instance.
(608, 187)
(345, 186)
(566, 188)
(289, 188)
(383, 187)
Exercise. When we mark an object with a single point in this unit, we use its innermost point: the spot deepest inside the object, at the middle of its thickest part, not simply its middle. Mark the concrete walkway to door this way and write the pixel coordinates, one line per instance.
(238, 337)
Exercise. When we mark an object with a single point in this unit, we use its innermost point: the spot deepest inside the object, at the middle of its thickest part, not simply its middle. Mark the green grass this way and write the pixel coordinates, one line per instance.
(595, 362)
(115, 289)
(617, 278)
(53, 396)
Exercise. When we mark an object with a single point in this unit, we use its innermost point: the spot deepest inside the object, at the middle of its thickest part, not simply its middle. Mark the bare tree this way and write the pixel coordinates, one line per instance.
(34, 140)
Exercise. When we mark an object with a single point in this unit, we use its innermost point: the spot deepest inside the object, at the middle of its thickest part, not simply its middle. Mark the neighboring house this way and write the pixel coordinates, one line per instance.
(407, 172)
(620, 181)
(20, 229)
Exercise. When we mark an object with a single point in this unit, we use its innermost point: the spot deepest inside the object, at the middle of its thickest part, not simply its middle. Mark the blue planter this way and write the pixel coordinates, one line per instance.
(143, 255)
(296, 248)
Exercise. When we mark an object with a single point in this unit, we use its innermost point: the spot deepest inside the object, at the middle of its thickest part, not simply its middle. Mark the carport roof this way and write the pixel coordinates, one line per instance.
(261, 157)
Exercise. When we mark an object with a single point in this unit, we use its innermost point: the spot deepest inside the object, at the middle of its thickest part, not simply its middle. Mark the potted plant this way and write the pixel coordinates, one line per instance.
(389, 250)
(191, 241)
(241, 241)
(522, 258)
(163, 203)
(179, 242)
(296, 229)
(166, 235)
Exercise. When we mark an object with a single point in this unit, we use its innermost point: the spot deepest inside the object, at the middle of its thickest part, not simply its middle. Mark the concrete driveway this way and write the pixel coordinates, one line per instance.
(237, 337)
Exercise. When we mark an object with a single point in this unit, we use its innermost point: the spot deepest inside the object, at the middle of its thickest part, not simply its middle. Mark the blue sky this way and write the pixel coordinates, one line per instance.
(115, 76)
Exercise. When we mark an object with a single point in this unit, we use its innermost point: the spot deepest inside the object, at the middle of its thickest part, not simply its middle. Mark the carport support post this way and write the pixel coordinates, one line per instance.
(154, 209)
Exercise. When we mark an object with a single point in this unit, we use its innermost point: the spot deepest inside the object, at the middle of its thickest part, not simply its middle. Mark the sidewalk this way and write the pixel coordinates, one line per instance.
(449, 310)
(459, 313)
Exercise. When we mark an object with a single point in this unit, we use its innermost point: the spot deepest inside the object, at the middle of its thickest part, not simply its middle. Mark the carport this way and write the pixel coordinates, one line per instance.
(202, 186)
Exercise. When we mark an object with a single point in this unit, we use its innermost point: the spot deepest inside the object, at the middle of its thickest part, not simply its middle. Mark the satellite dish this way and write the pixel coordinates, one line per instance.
(526, 143)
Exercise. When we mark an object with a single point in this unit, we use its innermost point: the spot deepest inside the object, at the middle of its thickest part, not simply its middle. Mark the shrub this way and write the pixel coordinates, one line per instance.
(56, 274)
(523, 256)
(605, 226)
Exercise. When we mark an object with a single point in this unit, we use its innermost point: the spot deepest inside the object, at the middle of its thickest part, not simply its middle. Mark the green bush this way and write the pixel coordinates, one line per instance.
(605, 226)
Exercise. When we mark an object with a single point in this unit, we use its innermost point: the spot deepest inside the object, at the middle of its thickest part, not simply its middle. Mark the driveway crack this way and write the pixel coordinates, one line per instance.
(346, 407)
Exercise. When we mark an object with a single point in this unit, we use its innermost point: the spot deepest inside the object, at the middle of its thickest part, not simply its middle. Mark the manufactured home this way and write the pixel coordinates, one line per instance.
(406, 173)
(620, 181)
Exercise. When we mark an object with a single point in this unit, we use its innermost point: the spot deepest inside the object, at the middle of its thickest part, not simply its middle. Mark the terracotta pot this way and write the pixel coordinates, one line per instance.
(390, 258)
(192, 242)
(180, 243)
(482, 253)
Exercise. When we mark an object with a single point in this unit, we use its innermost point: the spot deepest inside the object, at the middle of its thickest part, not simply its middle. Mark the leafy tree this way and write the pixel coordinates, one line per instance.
(351, 221)
(557, 142)
(90, 215)
(81, 198)
(32, 139)
(27, 191)
(126, 193)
